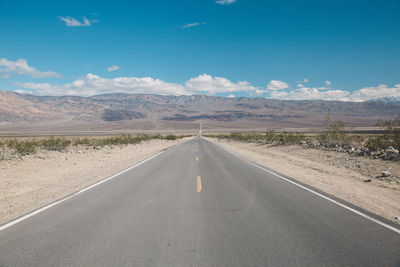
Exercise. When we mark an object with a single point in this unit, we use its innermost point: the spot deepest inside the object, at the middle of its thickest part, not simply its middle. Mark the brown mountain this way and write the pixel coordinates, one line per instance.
(16, 109)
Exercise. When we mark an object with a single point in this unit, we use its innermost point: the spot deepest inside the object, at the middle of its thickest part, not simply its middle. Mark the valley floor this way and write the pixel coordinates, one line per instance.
(338, 174)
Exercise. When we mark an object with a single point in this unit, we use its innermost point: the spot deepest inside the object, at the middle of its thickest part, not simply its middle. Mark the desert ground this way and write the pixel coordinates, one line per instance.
(155, 126)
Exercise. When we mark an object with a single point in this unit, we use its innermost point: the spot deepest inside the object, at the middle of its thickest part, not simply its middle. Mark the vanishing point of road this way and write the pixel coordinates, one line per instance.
(196, 204)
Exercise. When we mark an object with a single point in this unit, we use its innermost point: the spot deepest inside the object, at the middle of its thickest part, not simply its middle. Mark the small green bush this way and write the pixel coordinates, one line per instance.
(82, 141)
(335, 134)
(120, 140)
(55, 144)
(271, 136)
(25, 147)
(391, 138)
(377, 142)
(171, 137)
(268, 137)
(61, 143)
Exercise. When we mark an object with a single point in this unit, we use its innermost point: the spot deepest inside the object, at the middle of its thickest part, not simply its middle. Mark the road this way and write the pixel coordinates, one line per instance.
(197, 205)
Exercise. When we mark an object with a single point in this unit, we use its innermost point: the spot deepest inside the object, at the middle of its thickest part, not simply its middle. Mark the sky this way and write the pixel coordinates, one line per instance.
(345, 50)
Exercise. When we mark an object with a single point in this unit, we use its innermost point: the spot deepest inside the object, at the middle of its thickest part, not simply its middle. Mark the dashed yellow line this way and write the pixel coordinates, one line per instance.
(198, 184)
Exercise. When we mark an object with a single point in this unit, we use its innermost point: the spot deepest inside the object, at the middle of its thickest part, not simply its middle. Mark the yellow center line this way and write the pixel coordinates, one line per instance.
(197, 158)
(198, 184)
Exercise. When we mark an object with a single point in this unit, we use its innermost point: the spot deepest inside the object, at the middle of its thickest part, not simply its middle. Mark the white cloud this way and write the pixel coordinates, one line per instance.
(305, 80)
(231, 96)
(22, 92)
(302, 82)
(210, 85)
(190, 25)
(324, 93)
(259, 92)
(278, 95)
(225, 2)
(92, 85)
(204, 84)
(113, 68)
(328, 83)
(277, 85)
(305, 93)
(72, 22)
(21, 67)
(380, 91)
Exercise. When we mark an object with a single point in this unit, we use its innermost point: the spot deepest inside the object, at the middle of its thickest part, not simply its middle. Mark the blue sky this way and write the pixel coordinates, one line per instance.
(333, 50)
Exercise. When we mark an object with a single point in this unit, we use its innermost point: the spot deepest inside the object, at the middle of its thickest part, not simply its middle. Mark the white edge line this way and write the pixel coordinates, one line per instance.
(314, 192)
(26, 216)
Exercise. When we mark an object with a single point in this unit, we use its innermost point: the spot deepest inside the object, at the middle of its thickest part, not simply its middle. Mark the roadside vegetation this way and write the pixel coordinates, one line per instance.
(29, 146)
(336, 137)
(392, 138)
(270, 137)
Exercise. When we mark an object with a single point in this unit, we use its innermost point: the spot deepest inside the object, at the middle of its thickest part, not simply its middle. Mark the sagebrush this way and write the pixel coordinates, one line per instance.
(26, 147)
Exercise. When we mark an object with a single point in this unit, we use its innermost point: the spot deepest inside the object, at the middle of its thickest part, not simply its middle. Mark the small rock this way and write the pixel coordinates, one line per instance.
(367, 181)
(386, 174)
(397, 218)
(364, 150)
(391, 150)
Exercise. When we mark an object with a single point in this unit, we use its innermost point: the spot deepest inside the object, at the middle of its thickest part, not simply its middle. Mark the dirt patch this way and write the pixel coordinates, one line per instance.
(335, 173)
(29, 182)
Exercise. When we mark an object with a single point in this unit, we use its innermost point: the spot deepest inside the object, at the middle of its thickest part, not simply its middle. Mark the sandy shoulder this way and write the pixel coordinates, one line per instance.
(328, 172)
(34, 181)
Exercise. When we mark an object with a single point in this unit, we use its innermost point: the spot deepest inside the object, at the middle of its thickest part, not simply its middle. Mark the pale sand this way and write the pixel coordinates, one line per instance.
(34, 181)
(325, 170)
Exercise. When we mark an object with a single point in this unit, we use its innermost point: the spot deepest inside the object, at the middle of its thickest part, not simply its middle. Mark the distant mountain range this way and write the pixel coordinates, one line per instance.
(17, 108)
(387, 100)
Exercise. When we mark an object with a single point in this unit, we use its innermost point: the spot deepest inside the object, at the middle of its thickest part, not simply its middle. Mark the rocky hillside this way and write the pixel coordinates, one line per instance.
(121, 107)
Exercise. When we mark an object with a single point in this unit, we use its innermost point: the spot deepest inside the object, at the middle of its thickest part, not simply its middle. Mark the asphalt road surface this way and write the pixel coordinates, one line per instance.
(198, 205)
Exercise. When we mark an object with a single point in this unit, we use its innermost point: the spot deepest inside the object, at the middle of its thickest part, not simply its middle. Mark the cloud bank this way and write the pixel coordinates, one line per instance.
(212, 85)
(92, 84)
(324, 93)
